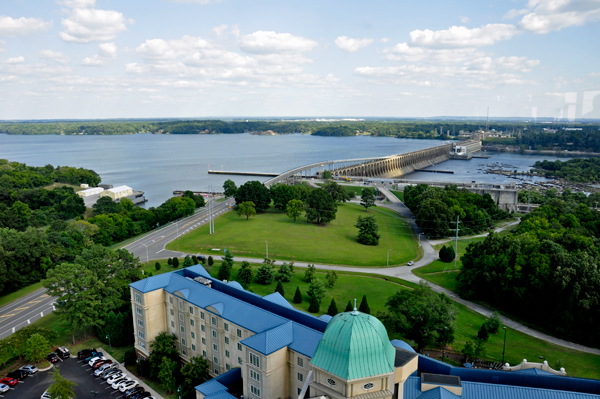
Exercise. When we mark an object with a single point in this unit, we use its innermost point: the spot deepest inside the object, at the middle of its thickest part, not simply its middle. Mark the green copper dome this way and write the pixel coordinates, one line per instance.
(355, 345)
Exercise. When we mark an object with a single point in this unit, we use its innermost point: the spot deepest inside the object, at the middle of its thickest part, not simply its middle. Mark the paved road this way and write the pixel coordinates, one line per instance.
(24, 311)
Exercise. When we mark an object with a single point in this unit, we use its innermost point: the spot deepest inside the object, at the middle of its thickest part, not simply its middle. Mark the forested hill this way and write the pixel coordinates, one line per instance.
(579, 170)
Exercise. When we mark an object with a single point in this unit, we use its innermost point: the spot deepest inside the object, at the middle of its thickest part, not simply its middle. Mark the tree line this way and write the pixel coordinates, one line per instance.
(578, 170)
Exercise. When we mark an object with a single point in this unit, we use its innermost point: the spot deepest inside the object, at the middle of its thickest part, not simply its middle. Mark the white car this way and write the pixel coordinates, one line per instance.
(46, 395)
(96, 360)
(113, 378)
(5, 388)
(127, 386)
(29, 368)
(105, 367)
(117, 384)
(410, 263)
(111, 373)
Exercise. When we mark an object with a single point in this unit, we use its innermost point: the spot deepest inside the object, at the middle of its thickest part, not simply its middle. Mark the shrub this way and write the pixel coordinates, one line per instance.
(364, 306)
(493, 323)
(130, 357)
(279, 288)
(175, 263)
(447, 254)
(483, 333)
(187, 262)
(309, 274)
(265, 274)
(284, 274)
(157, 266)
(332, 310)
(298, 296)
(210, 261)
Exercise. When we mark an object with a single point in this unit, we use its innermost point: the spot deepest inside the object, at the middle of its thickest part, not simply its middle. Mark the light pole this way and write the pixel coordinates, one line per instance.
(179, 391)
(109, 344)
(504, 349)
(388, 258)
(267, 244)
(147, 261)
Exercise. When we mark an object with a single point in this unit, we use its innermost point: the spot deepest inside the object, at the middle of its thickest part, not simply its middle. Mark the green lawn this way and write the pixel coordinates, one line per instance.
(5, 300)
(56, 185)
(334, 243)
(399, 194)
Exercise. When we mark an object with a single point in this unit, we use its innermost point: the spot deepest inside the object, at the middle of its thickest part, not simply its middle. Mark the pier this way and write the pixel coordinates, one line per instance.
(434, 171)
(228, 172)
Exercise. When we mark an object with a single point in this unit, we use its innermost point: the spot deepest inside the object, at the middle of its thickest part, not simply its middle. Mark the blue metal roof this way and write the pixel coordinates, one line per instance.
(305, 340)
(326, 318)
(402, 345)
(533, 371)
(276, 297)
(272, 340)
(220, 395)
(235, 284)
(234, 310)
(153, 283)
(210, 387)
(438, 393)
(199, 269)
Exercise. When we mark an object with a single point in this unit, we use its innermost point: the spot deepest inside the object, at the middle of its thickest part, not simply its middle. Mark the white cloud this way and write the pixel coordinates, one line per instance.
(543, 16)
(464, 20)
(106, 54)
(517, 63)
(460, 36)
(22, 26)
(594, 74)
(350, 45)
(264, 42)
(8, 78)
(86, 24)
(2, 46)
(159, 49)
(54, 55)
(385, 39)
(15, 60)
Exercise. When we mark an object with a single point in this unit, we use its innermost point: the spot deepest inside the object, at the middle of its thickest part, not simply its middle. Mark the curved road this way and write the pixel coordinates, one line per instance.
(24, 311)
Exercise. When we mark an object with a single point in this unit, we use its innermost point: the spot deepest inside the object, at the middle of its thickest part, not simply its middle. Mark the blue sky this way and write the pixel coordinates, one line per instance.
(201, 58)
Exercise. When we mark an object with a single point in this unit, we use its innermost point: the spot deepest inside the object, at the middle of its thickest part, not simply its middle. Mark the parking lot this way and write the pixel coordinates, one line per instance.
(80, 373)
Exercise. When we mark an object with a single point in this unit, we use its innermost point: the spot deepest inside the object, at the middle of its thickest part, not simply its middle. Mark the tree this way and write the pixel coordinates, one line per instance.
(469, 350)
(349, 307)
(367, 198)
(118, 326)
(247, 209)
(314, 306)
(166, 375)
(447, 254)
(36, 348)
(175, 263)
(492, 324)
(265, 273)
(194, 373)
(198, 199)
(338, 192)
(105, 206)
(164, 345)
(332, 310)
(210, 261)
(195, 259)
(331, 277)
(326, 175)
(367, 230)
(226, 266)
(298, 296)
(21, 215)
(254, 191)
(316, 292)
(294, 209)
(320, 207)
(282, 194)
(309, 273)
(421, 315)
(229, 188)
(170, 261)
(483, 333)
(279, 288)
(61, 388)
(157, 266)
(187, 261)
(284, 274)
(246, 273)
(364, 306)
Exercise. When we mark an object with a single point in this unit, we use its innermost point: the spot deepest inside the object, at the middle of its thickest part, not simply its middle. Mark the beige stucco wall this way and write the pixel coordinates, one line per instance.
(402, 373)
(153, 309)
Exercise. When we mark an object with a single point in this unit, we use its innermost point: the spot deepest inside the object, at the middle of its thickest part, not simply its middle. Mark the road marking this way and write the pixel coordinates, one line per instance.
(161, 250)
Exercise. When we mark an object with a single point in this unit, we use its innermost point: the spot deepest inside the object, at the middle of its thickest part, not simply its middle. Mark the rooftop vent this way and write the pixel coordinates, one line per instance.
(449, 382)
(203, 281)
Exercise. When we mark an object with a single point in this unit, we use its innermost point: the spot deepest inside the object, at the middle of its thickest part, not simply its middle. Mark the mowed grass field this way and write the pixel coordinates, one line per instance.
(334, 243)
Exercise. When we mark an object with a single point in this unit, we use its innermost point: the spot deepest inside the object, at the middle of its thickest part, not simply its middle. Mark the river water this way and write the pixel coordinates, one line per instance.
(159, 164)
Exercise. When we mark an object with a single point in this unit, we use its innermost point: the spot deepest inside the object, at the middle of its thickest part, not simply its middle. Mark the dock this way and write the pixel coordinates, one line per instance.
(434, 171)
(228, 172)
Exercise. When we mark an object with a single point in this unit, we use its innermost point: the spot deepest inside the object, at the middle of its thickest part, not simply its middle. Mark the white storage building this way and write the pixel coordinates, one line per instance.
(118, 192)
(90, 191)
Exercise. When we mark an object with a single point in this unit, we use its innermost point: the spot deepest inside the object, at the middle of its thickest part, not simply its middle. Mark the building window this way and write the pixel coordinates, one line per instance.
(141, 334)
(172, 324)
(215, 347)
(255, 391)
(254, 360)
(202, 327)
(202, 315)
(171, 300)
(183, 341)
(239, 360)
(138, 298)
(140, 323)
(204, 354)
(239, 346)
(180, 304)
(192, 322)
(299, 391)
(213, 320)
(331, 382)
(193, 334)
(227, 367)
(300, 362)
(216, 371)
(216, 360)
(182, 329)
(191, 310)
(142, 345)
(239, 333)
(203, 341)
(300, 377)
(368, 386)
(181, 317)
(184, 352)
(227, 354)
(214, 334)
(172, 313)
(227, 340)
(194, 347)
(254, 375)
(138, 310)
(226, 326)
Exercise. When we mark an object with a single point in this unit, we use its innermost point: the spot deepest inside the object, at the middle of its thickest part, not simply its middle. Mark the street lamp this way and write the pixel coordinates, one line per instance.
(179, 391)
(504, 349)
(147, 261)
(388, 258)
(267, 244)
(109, 344)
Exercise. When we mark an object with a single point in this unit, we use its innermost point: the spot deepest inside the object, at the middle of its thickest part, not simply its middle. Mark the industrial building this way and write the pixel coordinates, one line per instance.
(90, 191)
(118, 192)
(263, 348)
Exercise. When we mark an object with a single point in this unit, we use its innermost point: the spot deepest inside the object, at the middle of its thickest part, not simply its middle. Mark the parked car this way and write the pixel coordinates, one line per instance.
(18, 374)
(93, 355)
(82, 354)
(4, 388)
(104, 367)
(142, 395)
(127, 386)
(53, 357)
(101, 363)
(46, 395)
(117, 384)
(11, 382)
(114, 378)
(63, 352)
(410, 263)
(96, 360)
(110, 373)
(135, 391)
(31, 369)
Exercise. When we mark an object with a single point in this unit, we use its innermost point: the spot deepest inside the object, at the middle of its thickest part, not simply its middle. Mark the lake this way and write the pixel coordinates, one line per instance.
(159, 164)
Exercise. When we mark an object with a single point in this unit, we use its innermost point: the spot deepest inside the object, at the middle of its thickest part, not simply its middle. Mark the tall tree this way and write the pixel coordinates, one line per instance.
(194, 373)
(364, 306)
(246, 273)
(367, 198)
(61, 388)
(166, 375)
(229, 188)
(338, 192)
(105, 206)
(332, 310)
(316, 292)
(297, 296)
(198, 199)
(254, 191)
(284, 274)
(320, 207)
(36, 348)
(367, 230)
(326, 175)
(331, 277)
(164, 345)
(265, 273)
(294, 209)
(247, 209)
(226, 266)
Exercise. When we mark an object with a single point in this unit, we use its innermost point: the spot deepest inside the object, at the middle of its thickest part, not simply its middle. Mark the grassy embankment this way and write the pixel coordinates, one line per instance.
(398, 194)
(334, 243)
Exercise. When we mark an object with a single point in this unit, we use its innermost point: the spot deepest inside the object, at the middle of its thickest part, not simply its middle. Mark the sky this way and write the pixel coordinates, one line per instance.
(87, 59)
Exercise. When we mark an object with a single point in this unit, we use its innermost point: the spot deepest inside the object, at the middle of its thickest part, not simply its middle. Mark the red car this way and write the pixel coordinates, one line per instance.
(11, 382)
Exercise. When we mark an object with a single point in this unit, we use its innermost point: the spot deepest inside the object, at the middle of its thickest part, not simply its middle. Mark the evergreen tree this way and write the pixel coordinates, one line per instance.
(175, 263)
(349, 307)
(367, 198)
(157, 266)
(316, 293)
(284, 273)
(314, 306)
(309, 274)
(279, 288)
(333, 310)
(483, 333)
(170, 262)
(211, 261)
(195, 259)
(364, 306)
(187, 262)
(265, 274)
(298, 296)
(245, 274)
(331, 277)
(367, 230)
(226, 266)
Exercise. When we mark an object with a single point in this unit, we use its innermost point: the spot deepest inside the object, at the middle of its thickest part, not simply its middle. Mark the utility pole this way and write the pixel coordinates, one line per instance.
(456, 250)
(210, 201)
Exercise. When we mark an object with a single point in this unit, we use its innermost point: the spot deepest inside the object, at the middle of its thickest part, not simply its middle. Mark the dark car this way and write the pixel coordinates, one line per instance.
(53, 357)
(18, 374)
(142, 395)
(63, 352)
(82, 354)
(134, 392)
(93, 355)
